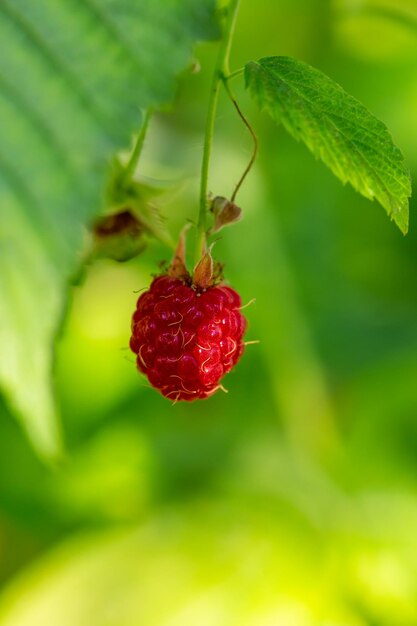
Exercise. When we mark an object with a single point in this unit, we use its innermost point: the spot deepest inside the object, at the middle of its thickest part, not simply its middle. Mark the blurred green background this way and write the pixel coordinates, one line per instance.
(291, 501)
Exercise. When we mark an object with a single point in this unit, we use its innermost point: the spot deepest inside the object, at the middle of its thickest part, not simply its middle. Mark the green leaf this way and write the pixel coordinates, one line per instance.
(74, 75)
(336, 128)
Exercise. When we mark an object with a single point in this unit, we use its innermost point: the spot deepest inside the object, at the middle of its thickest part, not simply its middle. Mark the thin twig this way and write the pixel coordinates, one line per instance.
(250, 129)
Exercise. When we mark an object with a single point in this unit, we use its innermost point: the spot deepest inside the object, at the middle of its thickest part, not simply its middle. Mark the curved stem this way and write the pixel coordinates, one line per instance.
(137, 149)
(250, 129)
(222, 67)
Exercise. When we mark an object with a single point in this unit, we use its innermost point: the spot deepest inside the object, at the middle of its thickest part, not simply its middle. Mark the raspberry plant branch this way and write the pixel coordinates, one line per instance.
(125, 191)
(250, 129)
(221, 69)
(137, 148)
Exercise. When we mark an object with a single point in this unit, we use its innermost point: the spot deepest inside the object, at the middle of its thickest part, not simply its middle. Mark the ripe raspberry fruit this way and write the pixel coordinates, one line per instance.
(187, 338)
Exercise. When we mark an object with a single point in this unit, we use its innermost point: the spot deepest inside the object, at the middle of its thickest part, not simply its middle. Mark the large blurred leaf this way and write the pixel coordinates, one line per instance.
(73, 77)
(336, 128)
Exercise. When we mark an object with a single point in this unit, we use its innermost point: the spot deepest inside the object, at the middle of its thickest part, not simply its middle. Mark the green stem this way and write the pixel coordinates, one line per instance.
(234, 74)
(221, 68)
(137, 148)
(128, 174)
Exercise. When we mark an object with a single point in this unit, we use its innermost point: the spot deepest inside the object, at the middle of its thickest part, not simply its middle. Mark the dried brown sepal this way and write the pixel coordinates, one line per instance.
(119, 236)
(225, 213)
(203, 275)
(178, 268)
(122, 223)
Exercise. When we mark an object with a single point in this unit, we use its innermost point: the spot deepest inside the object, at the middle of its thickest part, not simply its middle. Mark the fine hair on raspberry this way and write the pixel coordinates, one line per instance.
(186, 339)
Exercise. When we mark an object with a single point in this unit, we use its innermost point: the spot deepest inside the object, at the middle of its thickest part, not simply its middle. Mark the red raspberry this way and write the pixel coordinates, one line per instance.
(187, 339)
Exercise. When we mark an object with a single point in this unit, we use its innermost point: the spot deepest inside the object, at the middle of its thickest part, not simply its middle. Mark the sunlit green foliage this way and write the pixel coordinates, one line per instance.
(291, 500)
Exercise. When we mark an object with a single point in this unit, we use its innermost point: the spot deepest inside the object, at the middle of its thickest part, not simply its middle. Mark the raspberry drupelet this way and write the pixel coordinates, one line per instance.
(186, 338)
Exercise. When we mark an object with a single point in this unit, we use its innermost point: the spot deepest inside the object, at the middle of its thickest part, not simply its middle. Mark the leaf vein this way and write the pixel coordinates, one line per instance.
(348, 141)
(49, 54)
